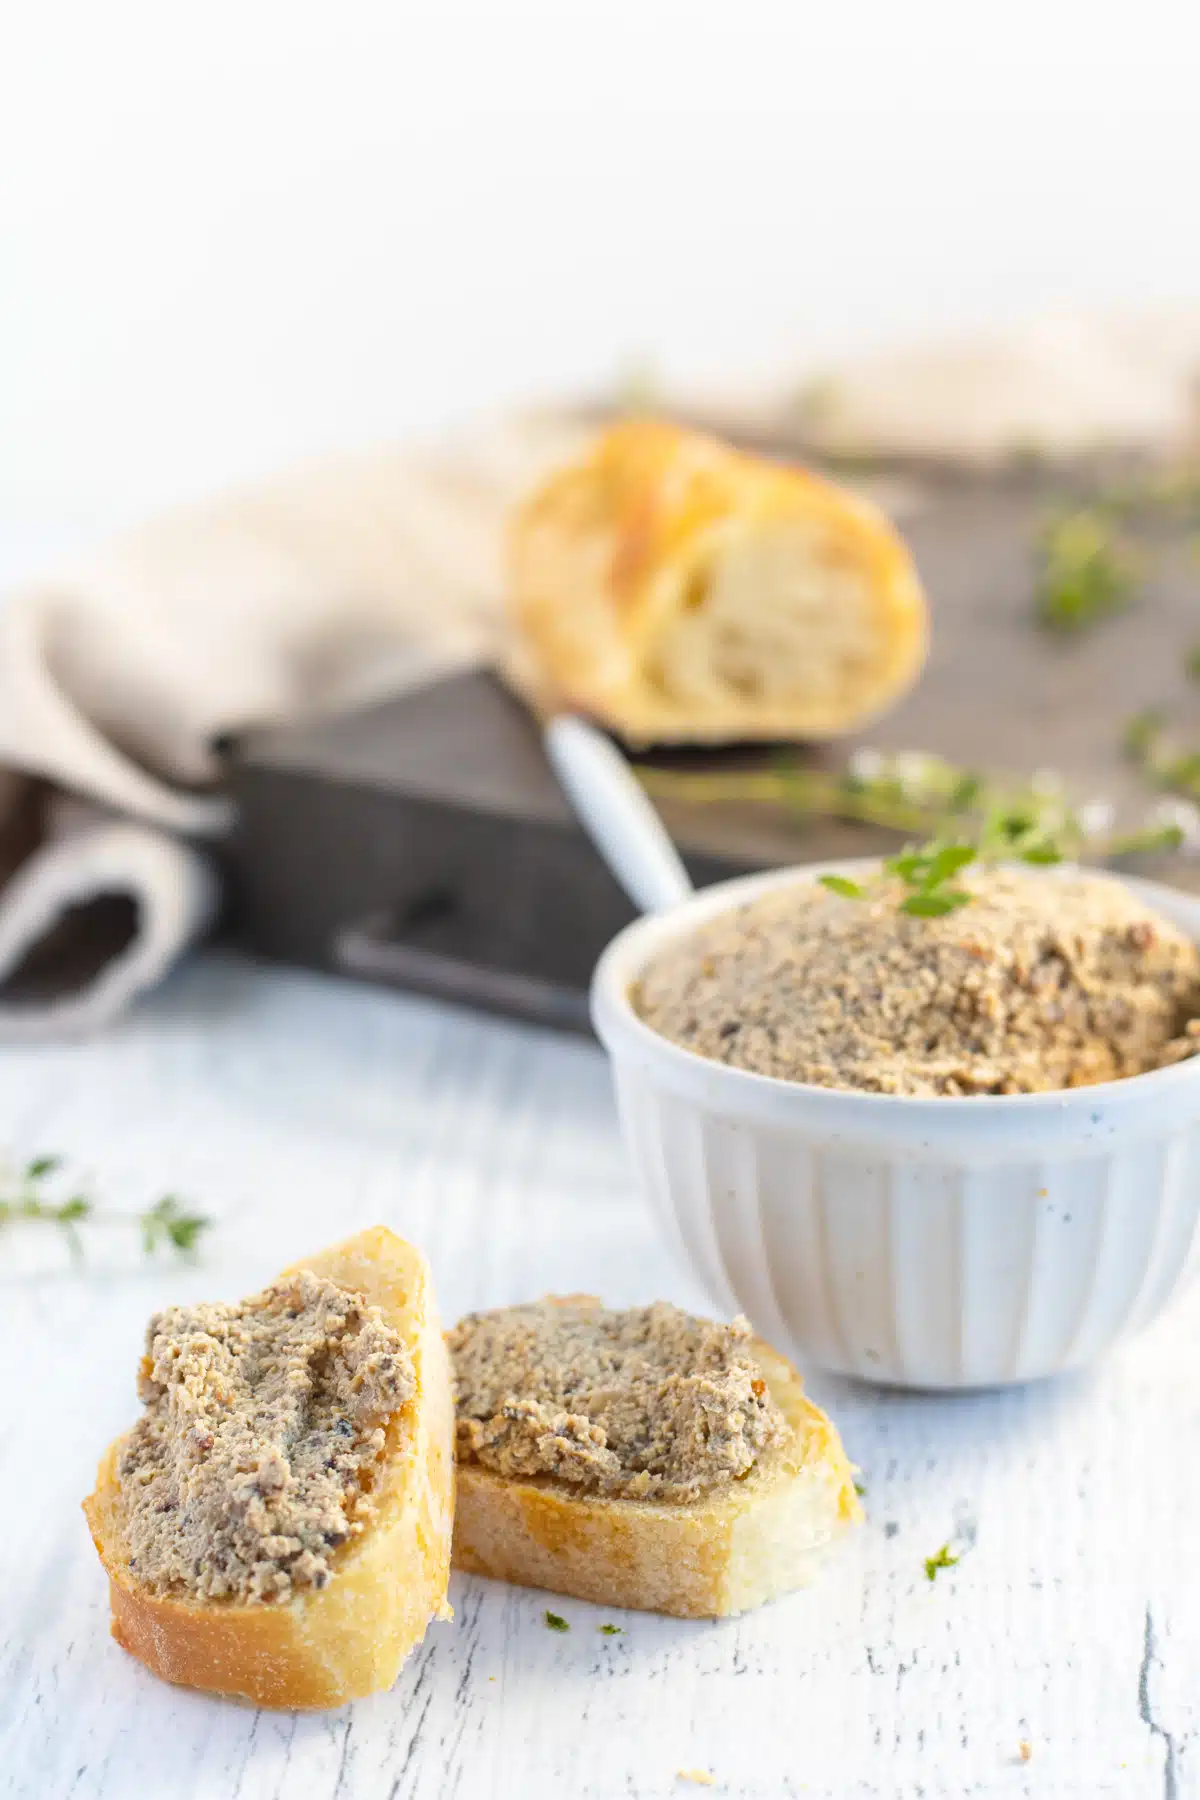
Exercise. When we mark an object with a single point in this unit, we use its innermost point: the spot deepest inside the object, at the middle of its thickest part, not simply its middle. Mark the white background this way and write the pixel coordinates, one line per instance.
(231, 235)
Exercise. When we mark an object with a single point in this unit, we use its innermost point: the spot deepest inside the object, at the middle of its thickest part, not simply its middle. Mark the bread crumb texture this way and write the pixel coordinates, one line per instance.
(1042, 982)
(645, 1404)
(264, 1427)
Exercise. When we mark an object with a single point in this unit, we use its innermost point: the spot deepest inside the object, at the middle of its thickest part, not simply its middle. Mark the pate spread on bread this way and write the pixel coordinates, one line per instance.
(277, 1524)
(644, 1458)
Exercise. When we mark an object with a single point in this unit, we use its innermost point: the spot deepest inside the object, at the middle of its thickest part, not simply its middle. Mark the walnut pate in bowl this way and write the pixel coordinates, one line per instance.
(937, 1152)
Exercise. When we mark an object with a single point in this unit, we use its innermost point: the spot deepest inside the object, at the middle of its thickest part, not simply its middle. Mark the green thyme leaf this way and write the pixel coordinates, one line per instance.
(1013, 826)
(1085, 572)
(42, 1166)
(941, 1559)
(169, 1223)
(909, 867)
(860, 1489)
(964, 793)
(947, 862)
(838, 884)
(934, 906)
(555, 1621)
(1042, 854)
(612, 1630)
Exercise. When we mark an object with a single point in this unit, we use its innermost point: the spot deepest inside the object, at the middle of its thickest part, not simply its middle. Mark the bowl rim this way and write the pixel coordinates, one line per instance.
(628, 952)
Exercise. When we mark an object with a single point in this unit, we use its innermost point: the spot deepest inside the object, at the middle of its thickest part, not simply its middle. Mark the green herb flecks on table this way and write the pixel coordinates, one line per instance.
(1086, 571)
(941, 1559)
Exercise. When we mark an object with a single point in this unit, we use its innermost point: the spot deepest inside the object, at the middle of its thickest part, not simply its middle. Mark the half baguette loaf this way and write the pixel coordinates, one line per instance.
(682, 591)
(708, 1558)
(349, 1638)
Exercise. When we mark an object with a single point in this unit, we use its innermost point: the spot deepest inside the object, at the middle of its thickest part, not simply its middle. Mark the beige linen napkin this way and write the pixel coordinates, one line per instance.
(120, 672)
(1058, 386)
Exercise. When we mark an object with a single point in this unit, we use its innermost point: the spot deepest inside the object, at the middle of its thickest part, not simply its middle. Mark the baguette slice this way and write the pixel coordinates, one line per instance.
(350, 1638)
(708, 1558)
(681, 591)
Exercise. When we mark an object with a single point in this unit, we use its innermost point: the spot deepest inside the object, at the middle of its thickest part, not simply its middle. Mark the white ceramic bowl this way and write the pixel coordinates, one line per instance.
(945, 1243)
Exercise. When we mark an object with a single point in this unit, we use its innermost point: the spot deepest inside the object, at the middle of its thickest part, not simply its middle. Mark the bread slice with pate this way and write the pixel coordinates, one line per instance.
(277, 1524)
(644, 1459)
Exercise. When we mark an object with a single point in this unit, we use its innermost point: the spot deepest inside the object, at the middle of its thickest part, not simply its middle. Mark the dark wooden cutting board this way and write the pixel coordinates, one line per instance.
(424, 842)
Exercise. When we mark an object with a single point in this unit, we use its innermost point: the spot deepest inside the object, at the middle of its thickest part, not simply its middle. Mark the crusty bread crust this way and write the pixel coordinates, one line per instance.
(350, 1638)
(713, 1557)
(608, 557)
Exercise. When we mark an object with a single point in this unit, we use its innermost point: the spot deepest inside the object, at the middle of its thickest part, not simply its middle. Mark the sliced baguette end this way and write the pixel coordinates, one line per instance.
(712, 1558)
(352, 1637)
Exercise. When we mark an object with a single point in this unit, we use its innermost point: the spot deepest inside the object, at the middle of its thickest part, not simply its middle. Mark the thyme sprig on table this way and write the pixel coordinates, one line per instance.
(1086, 570)
(1087, 566)
(925, 797)
(28, 1196)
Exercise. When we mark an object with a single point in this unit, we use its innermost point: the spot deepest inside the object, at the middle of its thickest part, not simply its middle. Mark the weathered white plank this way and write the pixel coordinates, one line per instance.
(297, 1109)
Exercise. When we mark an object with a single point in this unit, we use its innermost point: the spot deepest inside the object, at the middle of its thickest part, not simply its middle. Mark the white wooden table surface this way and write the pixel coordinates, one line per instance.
(295, 1110)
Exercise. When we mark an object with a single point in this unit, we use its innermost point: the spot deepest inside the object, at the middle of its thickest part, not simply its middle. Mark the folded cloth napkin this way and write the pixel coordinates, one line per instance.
(121, 672)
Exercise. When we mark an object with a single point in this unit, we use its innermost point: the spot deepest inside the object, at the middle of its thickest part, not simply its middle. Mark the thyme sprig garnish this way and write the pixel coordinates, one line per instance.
(1086, 571)
(841, 884)
(927, 871)
(28, 1196)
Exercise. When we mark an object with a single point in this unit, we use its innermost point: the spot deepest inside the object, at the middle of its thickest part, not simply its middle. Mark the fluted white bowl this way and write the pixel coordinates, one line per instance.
(941, 1243)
